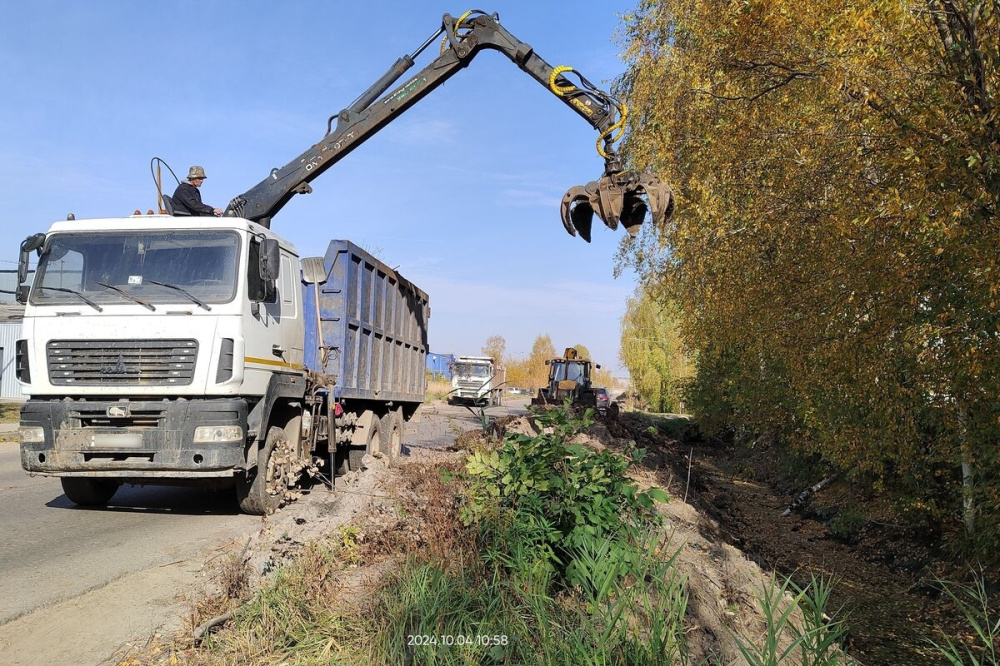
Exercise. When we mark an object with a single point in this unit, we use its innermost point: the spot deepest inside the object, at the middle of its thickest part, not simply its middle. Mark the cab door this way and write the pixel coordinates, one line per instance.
(273, 331)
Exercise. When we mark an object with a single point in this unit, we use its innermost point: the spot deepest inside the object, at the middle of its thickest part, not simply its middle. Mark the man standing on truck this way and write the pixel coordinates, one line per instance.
(187, 198)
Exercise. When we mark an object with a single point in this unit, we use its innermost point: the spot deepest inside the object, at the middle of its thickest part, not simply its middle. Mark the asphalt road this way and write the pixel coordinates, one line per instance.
(52, 552)
(438, 423)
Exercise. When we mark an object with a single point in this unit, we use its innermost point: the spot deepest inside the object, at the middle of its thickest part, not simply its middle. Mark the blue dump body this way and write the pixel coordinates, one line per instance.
(375, 323)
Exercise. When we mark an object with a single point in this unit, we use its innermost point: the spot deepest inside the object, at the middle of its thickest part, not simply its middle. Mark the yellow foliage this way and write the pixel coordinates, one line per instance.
(652, 350)
(834, 256)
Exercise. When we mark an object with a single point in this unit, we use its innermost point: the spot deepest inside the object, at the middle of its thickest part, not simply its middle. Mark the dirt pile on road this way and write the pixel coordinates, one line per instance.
(321, 514)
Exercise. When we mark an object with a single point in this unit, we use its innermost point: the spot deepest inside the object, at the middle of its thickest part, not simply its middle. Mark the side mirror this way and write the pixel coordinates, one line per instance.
(547, 361)
(270, 259)
(597, 365)
(21, 295)
(28, 245)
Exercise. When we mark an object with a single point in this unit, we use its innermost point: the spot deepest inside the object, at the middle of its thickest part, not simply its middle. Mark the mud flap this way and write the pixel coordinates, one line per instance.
(366, 423)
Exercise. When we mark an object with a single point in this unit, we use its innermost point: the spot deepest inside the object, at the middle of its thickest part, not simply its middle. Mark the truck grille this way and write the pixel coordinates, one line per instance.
(130, 416)
(121, 362)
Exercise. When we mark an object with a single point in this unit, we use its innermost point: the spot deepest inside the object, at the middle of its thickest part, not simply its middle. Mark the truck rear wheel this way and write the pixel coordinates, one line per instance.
(349, 457)
(391, 427)
(372, 443)
(260, 490)
(89, 492)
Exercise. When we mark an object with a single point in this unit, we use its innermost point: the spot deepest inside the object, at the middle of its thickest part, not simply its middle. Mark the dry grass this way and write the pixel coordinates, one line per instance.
(408, 566)
(425, 522)
(437, 509)
(311, 608)
(437, 389)
(10, 412)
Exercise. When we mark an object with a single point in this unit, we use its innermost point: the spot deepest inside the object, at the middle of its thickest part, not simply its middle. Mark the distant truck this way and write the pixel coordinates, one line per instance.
(477, 380)
(168, 350)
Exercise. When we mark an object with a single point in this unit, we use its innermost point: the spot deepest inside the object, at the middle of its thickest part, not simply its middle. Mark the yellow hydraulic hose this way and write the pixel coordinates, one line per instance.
(620, 126)
(560, 90)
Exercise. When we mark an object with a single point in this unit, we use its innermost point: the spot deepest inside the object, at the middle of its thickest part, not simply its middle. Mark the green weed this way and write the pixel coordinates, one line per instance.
(554, 558)
(846, 526)
(974, 603)
(797, 627)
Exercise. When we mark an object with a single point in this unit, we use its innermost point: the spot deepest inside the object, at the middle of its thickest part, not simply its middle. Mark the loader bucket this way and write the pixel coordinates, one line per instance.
(623, 196)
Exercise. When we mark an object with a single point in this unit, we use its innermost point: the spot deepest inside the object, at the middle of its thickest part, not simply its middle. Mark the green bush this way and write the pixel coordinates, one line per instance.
(553, 497)
(846, 526)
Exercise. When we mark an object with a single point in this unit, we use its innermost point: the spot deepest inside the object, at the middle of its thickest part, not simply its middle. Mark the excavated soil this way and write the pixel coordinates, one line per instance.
(884, 575)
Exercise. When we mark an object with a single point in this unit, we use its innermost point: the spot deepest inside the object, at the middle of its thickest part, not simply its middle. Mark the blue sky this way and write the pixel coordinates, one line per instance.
(461, 193)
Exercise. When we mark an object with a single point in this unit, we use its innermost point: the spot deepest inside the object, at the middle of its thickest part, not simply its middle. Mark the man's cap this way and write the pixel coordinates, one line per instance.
(196, 172)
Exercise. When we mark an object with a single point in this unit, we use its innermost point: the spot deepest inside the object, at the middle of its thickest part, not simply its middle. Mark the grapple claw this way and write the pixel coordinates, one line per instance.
(660, 198)
(623, 196)
(577, 211)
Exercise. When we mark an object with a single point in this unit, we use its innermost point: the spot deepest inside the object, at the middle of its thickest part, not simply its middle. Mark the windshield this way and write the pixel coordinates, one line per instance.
(571, 370)
(74, 266)
(472, 370)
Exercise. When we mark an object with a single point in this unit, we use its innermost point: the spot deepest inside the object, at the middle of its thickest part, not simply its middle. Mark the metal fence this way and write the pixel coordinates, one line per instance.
(9, 333)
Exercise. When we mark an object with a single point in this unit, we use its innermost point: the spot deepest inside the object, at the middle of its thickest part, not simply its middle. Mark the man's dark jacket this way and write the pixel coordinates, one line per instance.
(187, 199)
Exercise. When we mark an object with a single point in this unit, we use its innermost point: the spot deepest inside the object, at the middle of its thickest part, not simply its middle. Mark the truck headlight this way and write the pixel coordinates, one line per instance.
(32, 434)
(213, 434)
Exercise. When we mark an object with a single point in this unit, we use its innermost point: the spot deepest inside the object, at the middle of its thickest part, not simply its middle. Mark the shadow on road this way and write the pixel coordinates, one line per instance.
(161, 499)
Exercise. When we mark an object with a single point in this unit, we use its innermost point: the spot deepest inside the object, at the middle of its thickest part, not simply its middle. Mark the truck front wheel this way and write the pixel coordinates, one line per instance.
(89, 492)
(260, 489)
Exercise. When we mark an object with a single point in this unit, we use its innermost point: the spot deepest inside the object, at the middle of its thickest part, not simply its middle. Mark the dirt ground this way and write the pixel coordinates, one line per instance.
(317, 513)
(884, 576)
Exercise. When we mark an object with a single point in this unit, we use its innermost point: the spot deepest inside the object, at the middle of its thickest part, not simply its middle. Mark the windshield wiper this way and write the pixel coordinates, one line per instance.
(193, 298)
(75, 293)
(129, 295)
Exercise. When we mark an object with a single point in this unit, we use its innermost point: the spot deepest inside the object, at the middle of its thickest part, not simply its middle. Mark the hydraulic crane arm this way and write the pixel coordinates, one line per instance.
(615, 197)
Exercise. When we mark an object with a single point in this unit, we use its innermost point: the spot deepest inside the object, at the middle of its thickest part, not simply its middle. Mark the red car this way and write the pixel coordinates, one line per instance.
(603, 399)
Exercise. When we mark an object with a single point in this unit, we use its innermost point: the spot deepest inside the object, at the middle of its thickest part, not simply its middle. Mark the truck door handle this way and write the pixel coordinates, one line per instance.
(277, 350)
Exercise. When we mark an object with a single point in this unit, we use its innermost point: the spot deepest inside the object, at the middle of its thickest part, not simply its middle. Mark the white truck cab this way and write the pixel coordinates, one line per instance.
(477, 380)
(147, 341)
